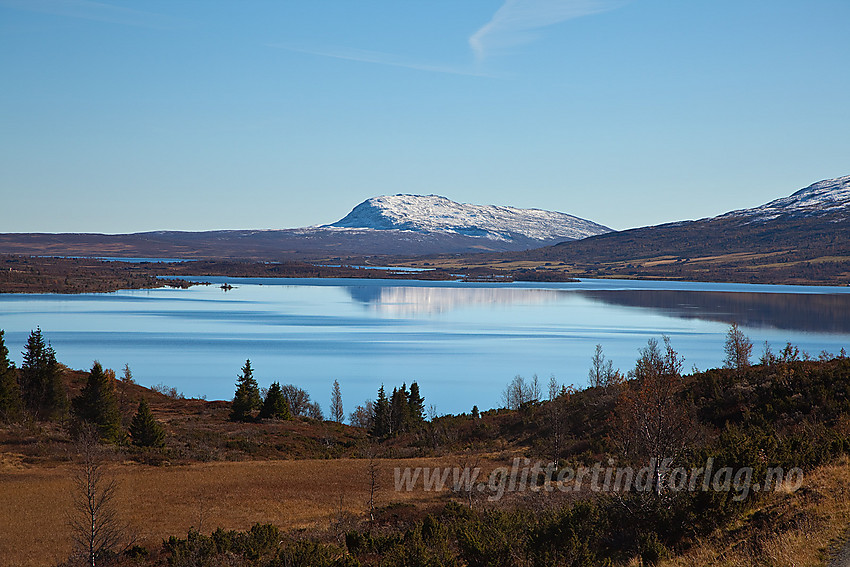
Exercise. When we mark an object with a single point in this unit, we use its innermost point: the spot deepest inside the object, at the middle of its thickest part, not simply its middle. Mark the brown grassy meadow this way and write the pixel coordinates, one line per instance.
(313, 494)
(158, 502)
(806, 527)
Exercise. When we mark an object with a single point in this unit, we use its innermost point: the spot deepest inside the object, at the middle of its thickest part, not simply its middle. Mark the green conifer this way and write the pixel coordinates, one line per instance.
(416, 405)
(399, 410)
(10, 393)
(247, 396)
(337, 413)
(97, 405)
(381, 421)
(275, 404)
(42, 389)
(145, 431)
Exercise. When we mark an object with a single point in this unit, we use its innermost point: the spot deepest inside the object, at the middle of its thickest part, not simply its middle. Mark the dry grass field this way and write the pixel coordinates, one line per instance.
(806, 527)
(742, 267)
(162, 501)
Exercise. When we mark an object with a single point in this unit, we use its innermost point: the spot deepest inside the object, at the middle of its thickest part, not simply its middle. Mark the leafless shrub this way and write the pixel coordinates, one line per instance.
(363, 416)
(519, 392)
(738, 349)
(97, 531)
(602, 373)
(168, 391)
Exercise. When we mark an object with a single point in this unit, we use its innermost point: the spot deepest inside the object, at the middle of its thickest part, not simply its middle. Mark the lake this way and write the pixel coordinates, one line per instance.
(462, 342)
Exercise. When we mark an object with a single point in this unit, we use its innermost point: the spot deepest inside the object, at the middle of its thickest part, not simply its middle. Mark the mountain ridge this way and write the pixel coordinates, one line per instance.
(386, 225)
(817, 199)
(435, 213)
(803, 238)
(789, 240)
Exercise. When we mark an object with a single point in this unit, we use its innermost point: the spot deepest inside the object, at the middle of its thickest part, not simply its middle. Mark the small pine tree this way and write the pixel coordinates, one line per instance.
(97, 405)
(381, 421)
(275, 404)
(124, 384)
(247, 397)
(10, 393)
(399, 410)
(42, 389)
(337, 414)
(145, 431)
(416, 405)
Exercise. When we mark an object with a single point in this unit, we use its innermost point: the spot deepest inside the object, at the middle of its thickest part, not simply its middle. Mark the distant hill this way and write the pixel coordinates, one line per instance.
(801, 238)
(817, 200)
(432, 214)
(388, 225)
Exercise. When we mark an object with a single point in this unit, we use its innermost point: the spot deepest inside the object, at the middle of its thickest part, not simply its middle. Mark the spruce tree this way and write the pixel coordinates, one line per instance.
(124, 384)
(381, 421)
(337, 413)
(275, 404)
(399, 410)
(42, 389)
(10, 393)
(97, 405)
(145, 431)
(32, 370)
(416, 405)
(247, 396)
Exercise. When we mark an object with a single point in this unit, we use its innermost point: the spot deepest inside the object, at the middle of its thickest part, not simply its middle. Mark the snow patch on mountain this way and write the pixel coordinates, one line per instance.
(820, 198)
(436, 214)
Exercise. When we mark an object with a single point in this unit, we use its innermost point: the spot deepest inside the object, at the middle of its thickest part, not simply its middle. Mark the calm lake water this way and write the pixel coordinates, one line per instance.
(461, 342)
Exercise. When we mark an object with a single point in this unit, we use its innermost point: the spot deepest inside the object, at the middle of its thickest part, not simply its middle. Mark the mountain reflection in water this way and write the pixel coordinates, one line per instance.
(397, 300)
(814, 313)
(818, 313)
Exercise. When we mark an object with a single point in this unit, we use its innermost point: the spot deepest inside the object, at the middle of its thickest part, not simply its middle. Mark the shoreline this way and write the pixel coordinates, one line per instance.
(75, 275)
(64, 275)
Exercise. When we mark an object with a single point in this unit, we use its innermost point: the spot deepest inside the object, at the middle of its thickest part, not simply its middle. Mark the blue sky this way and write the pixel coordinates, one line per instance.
(120, 116)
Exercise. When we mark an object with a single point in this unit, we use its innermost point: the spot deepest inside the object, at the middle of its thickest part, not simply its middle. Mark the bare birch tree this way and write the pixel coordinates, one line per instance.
(602, 373)
(373, 475)
(652, 422)
(738, 349)
(519, 392)
(96, 528)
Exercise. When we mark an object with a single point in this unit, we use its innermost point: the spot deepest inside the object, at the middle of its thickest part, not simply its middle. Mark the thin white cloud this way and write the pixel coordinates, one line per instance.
(518, 21)
(94, 11)
(515, 22)
(380, 58)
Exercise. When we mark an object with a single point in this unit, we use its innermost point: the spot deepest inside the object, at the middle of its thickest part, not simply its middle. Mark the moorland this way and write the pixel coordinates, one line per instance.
(198, 483)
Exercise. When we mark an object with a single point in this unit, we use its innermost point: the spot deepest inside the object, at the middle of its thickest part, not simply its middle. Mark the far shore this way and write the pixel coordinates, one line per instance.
(48, 274)
(70, 275)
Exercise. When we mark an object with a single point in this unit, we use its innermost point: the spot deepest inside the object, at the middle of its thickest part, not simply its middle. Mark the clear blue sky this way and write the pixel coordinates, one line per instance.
(119, 116)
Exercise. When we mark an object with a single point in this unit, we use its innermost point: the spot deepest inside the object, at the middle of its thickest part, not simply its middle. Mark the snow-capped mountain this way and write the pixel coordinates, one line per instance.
(821, 198)
(802, 237)
(435, 214)
(398, 225)
(798, 239)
